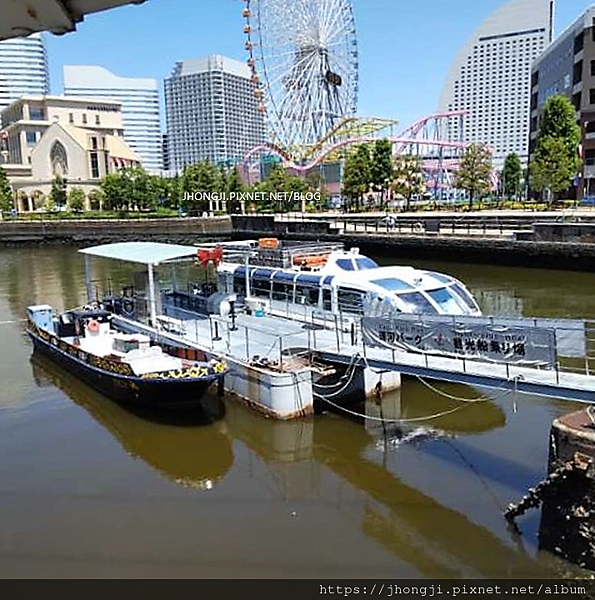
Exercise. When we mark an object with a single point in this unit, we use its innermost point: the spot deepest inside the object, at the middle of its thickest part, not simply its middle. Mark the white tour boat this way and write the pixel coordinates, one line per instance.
(269, 275)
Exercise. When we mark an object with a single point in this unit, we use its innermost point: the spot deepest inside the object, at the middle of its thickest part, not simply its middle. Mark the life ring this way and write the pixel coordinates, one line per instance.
(93, 326)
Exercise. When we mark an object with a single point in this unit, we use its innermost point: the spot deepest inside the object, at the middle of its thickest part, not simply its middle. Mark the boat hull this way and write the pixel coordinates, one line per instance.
(150, 393)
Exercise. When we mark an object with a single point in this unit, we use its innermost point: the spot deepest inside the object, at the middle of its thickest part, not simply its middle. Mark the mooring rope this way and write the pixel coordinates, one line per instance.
(340, 390)
(477, 400)
(349, 372)
(397, 421)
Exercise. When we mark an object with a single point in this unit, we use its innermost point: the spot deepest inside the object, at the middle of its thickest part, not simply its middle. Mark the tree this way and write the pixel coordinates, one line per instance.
(556, 160)
(6, 196)
(58, 193)
(235, 186)
(474, 174)
(38, 199)
(511, 176)
(76, 199)
(234, 182)
(130, 188)
(201, 178)
(50, 205)
(117, 192)
(407, 177)
(96, 199)
(357, 174)
(559, 121)
(551, 169)
(316, 183)
(146, 189)
(223, 178)
(276, 179)
(381, 168)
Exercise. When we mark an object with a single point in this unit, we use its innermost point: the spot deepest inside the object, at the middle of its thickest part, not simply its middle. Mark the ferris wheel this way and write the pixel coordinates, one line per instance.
(304, 62)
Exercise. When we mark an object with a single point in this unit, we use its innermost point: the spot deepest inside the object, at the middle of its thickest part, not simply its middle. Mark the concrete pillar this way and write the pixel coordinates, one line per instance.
(380, 381)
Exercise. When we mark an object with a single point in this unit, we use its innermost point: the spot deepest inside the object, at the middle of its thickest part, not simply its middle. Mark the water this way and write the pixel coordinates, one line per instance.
(89, 489)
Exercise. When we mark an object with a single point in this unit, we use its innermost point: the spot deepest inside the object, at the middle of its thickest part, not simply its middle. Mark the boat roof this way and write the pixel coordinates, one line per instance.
(146, 253)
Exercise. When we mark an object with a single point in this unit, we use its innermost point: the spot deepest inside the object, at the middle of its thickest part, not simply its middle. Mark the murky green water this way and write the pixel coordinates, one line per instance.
(89, 489)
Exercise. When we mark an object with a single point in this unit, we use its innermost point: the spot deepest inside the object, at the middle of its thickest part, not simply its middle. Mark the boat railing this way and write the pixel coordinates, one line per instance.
(283, 257)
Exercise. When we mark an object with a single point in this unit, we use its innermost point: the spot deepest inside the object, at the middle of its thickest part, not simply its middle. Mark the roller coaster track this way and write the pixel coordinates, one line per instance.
(431, 132)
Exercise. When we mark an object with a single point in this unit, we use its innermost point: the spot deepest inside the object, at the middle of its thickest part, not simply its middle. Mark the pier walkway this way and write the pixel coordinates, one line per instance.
(285, 344)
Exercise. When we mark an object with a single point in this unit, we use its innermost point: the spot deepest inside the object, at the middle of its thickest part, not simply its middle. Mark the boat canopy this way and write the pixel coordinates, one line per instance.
(145, 253)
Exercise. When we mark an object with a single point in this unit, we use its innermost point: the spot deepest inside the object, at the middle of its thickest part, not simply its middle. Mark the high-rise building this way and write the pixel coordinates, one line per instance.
(140, 107)
(568, 67)
(23, 69)
(211, 112)
(165, 151)
(490, 77)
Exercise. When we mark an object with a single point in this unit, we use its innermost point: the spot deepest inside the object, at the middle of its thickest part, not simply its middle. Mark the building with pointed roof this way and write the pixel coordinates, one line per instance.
(78, 139)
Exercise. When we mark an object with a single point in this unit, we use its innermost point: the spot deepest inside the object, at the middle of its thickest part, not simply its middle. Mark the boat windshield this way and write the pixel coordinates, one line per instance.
(346, 264)
(441, 277)
(449, 303)
(416, 302)
(392, 284)
(363, 263)
(465, 295)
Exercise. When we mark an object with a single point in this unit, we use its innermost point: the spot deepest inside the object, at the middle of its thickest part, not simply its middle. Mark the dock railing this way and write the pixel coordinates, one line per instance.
(574, 342)
(322, 332)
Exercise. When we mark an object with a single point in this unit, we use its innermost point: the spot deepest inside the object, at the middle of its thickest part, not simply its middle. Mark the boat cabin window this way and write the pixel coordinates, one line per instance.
(465, 295)
(306, 294)
(239, 281)
(417, 303)
(392, 284)
(350, 301)
(363, 263)
(447, 301)
(260, 283)
(327, 299)
(282, 291)
(346, 264)
(283, 286)
(440, 277)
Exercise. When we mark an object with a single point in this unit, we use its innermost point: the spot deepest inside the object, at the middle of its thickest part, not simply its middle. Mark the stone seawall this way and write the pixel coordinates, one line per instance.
(75, 232)
(567, 255)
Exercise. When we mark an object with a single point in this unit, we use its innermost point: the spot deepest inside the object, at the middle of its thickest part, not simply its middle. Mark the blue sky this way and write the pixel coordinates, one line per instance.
(405, 46)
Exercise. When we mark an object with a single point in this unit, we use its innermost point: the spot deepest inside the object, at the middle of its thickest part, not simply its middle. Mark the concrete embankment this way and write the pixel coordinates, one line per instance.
(77, 232)
(547, 245)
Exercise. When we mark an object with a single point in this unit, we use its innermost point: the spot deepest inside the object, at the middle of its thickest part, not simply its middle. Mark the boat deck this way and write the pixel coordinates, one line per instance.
(143, 361)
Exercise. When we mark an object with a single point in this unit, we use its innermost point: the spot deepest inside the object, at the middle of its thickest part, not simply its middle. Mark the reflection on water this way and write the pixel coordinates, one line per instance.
(194, 450)
(92, 489)
(397, 516)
